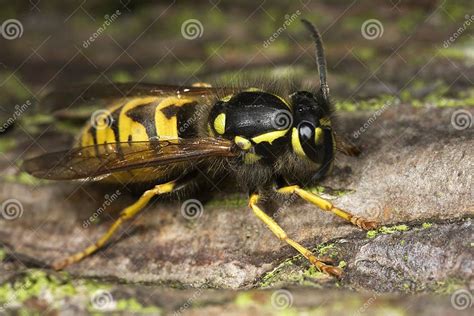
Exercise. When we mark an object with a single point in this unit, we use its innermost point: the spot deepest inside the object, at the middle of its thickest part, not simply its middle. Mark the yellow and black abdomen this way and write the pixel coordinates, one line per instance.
(141, 119)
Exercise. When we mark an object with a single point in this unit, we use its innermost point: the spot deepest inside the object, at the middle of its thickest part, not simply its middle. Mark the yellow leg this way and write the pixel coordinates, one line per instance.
(125, 215)
(327, 206)
(280, 233)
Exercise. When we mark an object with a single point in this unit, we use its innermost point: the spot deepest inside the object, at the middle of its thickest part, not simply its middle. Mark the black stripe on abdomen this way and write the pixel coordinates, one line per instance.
(145, 115)
(187, 117)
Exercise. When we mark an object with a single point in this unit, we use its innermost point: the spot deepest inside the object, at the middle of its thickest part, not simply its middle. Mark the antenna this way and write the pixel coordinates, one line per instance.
(320, 58)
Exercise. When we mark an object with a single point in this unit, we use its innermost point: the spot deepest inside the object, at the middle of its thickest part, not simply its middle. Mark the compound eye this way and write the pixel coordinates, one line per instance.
(306, 132)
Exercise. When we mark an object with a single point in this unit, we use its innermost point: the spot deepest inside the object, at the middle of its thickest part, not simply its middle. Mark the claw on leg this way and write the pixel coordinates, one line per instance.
(325, 205)
(320, 263)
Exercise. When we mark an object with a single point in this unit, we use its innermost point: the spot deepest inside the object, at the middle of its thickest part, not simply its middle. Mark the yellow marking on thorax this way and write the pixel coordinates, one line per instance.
(269, 137)
(227, 98)
(219, 123)
(242, 142)
(282, 100)
(250, 158)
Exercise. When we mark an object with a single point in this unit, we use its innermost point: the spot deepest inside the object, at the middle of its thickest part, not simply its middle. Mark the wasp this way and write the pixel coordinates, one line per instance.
(174, 138)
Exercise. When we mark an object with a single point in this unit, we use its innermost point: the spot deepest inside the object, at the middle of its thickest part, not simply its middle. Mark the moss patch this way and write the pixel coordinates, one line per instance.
(426, 225)
(297, 270)
(56, 290)
(243, 299)
(387, 230)
(314, 273)
(233, 200)
(327, 250)
(372, 104)
(129, 305)
(418, 94)
(439, 95)
(329, 191)
(449, 286)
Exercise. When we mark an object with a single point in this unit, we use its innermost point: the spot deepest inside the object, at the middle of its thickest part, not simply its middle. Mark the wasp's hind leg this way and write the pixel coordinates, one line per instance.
(280, 233)
(126, 214)
(328, 206)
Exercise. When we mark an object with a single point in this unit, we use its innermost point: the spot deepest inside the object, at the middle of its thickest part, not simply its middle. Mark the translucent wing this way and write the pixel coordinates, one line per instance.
(93, 161)
(106, 93)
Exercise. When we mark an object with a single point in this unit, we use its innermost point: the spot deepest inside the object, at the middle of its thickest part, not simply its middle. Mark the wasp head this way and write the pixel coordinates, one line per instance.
(312, 136)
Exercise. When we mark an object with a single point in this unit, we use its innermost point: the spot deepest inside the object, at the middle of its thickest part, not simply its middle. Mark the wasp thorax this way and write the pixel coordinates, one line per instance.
(257, 121)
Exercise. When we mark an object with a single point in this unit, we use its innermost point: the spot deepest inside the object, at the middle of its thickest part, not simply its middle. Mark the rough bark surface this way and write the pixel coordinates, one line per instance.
(413, 171)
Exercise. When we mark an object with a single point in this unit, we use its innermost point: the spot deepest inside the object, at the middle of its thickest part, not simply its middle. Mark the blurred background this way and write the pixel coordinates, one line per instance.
(410, 51)
(397, 48)
(416, 54)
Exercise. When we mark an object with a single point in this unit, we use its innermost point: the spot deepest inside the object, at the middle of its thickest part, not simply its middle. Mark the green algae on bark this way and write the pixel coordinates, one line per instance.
(57, 290)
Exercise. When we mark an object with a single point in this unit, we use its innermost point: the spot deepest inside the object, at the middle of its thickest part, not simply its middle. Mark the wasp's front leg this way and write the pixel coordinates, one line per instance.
(281, 234)
(326, 205)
